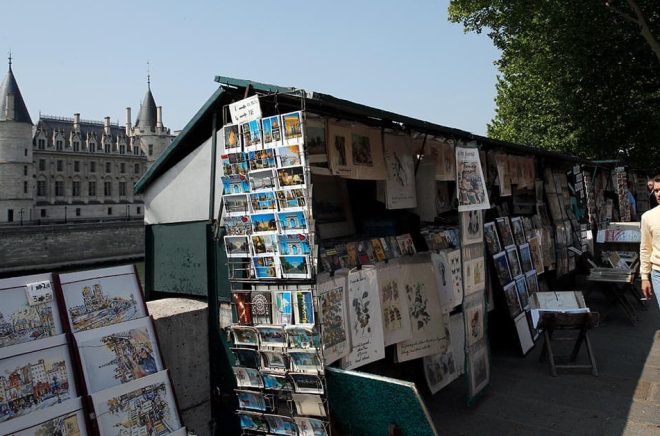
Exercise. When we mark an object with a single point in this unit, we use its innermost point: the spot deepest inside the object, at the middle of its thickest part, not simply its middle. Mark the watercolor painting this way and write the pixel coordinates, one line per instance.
(70, 424)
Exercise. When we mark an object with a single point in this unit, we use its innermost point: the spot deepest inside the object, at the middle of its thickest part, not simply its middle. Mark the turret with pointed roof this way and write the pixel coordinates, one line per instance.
(12, 106)
(147, 117)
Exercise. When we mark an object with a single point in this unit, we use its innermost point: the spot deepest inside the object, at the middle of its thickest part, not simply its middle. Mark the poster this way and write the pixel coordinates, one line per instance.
(428, 334)
(470, 183)
(400, 168)
(365, 321)
(367, 154)
(503, 178)
(340, 152)
(394, 304)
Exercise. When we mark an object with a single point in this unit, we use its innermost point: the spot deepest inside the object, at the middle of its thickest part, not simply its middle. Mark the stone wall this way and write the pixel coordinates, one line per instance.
(55, 246)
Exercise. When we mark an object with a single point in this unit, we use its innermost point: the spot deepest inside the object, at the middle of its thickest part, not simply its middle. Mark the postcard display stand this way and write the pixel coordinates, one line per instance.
(78, 342)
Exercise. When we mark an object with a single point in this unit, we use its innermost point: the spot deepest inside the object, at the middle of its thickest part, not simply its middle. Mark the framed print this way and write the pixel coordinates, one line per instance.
(232, 138)
(367, 154)
(479, 370)
(340, 151)
(305, 361)
(247, 357)
(245, 336)
(332, 312)
(295, 267)
(101, 297)
(238, 225)
(525, 258)
(332, 210)
(272, 131)
(514, 261)
(262, 159)
(247, 377)
(293, 245)
(251, 400)
(400, 191)
(394, 304)
(315, 139)
(301, 337)
(474, 269)
(293, 127)
(275, 361)
(492, 238)
(252, 421)
(518, 229)
(293, 222)
(283, 311)
(521, 288)
(264, 244)
(281, 425)
(502, 267)
(251, 134)
(512, 299)
(474, 319)
(118, 354)
(532, 282)
(472, 227)
(304, 307)
(291, 198)
(237, 246)
(305, 383)
(310, 426)
(242, 304)
(235, 184)
(265, 222)
(234, 164)
(275, 381)
(260, 306)
(24, 316)
(291, 177)
(309, 405)
(271, 336)
(524, 334)
(289, 156)
(264, 180)
(236, 204)
(505, 232)
(63, 419)
(470, 182)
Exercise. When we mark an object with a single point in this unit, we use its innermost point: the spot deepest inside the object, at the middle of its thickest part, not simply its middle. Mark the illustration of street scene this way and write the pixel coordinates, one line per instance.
(144, 411)
(29, 386)
(21, 323)
(67, 425)
(99, 309)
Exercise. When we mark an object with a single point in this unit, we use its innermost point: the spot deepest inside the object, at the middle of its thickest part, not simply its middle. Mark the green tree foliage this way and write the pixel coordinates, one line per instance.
(576, 76)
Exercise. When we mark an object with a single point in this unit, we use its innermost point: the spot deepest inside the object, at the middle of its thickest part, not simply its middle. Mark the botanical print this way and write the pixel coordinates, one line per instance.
(289, 156)
(472, 227)
(251, 133)
(234, 164)
(118, 354)
(367, 343)
(35, 381)
(21, 322)
(293, 127)
(479, 375)
(518, 229)
(272, 130)
(263, 180)
(235, 184)
(238, 225)
(144, 407)
(261, 201)
(292, 245)
(232, 138)
(291, 176)
(332, 304)
(283, 313)
(70, 424)
(448, 298)
(251, 400)
(502, 267)
(492, 238)
(394, 304)
(94, 302)
(400, 169)
(525, 258)
(281, 425)
(235, 204)
(310, 426)
(304, 307)
(247, 377)
(428, 335)
(504, 229)
(262, 159)
(295, 267)
(470, 183)
(291, 198)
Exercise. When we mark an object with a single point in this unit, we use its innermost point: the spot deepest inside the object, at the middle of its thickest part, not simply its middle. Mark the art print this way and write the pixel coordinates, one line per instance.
(275, 381)
(295, 267)
(305, 361)
(400, 188)
(537, 254)
(503, 176)
(394, 305)
(474, 269)
(524, 333)
(263, 201)
(260, 306)
(97, 298)
(293, 127)
(340, 151)
(521, 288)
(232, 138)
(247, 357)
(449, 298)
(281, 425)
(251, 134)
(518, 228)
(309, 405)
(235, 205)
(293, 245)
(293, 222)
(377, 248)
(301, 337)
(448, 163)
(443, 201)
(289, 156)
(272, 131)
(291, 198)
(247, 377)
(492, 238)
(315, 139)
(525, 258)
(474, 320)
(512, 299)
(251, 400)
(265, 244)
(428, 335)
(252, 421)
(470, 183)
(283, 313)
(365, 321)
(242, 306)
(502, 268)
(532, 282)
(361, 148)
(36, 381)
(275, 361)
(266, 267)
(264, 223)
(245, 335)
(406, 245)
(479, 364)
(67, 424)
(439, 370)
(332, 312)
(310, 427)
(291, 177)
(505, 232)
(23, 320)
(304, 307)
(235, 184)
(456, 273)
(514, 261)
(234, 164)
(263, 180)
(472, 227)
(262, 159)
(238, 225)
(118, 354)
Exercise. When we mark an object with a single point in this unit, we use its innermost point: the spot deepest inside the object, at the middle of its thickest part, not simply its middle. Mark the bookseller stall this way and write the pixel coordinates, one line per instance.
(344, 246)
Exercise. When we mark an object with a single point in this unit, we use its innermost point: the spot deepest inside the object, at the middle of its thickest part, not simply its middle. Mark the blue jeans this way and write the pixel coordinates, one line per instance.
(655, 283)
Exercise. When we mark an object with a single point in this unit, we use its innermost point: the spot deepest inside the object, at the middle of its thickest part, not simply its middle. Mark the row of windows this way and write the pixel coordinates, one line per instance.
(107, 148)
(92, 167)
(42, 188)
(43, 213)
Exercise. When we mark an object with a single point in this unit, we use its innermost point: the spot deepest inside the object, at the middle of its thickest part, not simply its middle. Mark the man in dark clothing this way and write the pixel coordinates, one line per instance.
(653, 202)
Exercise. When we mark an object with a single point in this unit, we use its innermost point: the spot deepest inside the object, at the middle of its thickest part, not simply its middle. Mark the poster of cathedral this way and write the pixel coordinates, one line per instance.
(102, 297)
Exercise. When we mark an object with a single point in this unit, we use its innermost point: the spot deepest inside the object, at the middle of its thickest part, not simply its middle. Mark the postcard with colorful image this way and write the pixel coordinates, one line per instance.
(97, 298)
(235, 184)
(293, 222)
(532, 282)
(275, 361)
(272, 336)
(251, 133)
(295, 267)
(521, 288)
(70, 423)
(263, 201)
(275, 381)
(291, 177)
(525, 258)
(301, 337)
(264, 244)
(24, 319)
(492, 238)
(252, 421)
(262, 159)
(293, 128)
(283, 310)
(251, 400)
(272, 130)
(281, 425)
(36, 381)
(309, 405)
(234, 164)
(504, 230)
(306, 383)
(264, 180)
(502, 267)
(291, 198)
(248, 377)
(310, 427)
(247, 357)
(292, 245)
(304, 307)
(261, 307)
(305, 361)
(238, 225)
(266, 267)
(244, 335)
(512, 299)
(236, 204)
(264, 223)
(289, 156)
(232, 138)
(514, 260)
(118, 354)
(242, 303)
(237, 246)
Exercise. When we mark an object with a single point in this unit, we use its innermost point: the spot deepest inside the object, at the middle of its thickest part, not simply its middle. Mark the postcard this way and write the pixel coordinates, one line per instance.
(262, 159)
(251, 400)
(263, 180)
(236, 204)
(271, 336)
(309, 404)
(248, 377)
(394, 304)
(514, 260)
(502, 267)
(275, 361)
(283, 311)
(289, 156)
(532, 282)
(281, 425)
(234, 164)
(245, 335)
(232, 138)
(310, 426)
(295, 267)
(305, 361)
(406, 245)
(291, 177)
(525, 258)
(251, 133)
(293, 127)
(293, 222)
(512, 299)
(301, 337)
(266, 267)
(305, 383)
(235, 184)
(505, 232)
(242, 306)
(237, 246)
(265, 222)
(247, 357)
(252, 421)
(332, 312)
(304, 307)
(119, 353)
(101, 297)
(263, 201)
(474, 319)
(537, 254)
(238, 225)
(294, 245)
(276, 381)
(521, 288)
(291, 198)
(260, 305)
(518, 229)
(272, 131)
(264, 244)
(492, 238)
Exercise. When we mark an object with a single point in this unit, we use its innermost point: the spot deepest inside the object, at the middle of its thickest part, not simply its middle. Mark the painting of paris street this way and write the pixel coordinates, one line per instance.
(96, 299)
(35, 381)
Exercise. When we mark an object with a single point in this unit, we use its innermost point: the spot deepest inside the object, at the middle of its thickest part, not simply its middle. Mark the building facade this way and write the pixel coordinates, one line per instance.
(72, 169)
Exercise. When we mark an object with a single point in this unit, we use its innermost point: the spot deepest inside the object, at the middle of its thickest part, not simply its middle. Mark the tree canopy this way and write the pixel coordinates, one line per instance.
(575, 76)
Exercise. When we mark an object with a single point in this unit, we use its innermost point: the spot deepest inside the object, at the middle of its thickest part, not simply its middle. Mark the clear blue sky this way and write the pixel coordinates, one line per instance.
(91, 57)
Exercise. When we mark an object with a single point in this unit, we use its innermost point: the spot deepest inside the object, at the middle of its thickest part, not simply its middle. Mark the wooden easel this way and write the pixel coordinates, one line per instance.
(581, 322)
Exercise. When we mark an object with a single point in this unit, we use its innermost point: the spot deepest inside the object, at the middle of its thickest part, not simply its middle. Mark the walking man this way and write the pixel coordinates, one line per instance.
(649, 250)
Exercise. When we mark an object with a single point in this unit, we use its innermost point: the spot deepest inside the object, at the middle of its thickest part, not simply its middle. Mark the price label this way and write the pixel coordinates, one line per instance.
(245, 110)
(39, 293)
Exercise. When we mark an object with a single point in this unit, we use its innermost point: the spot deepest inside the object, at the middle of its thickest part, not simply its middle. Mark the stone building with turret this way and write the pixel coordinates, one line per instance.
(73, 169)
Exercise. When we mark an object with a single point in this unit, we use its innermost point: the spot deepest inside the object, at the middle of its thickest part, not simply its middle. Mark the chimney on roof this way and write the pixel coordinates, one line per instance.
(128, 121)
(9, 108)
(159, 117)
(76, 122)
(106, 125)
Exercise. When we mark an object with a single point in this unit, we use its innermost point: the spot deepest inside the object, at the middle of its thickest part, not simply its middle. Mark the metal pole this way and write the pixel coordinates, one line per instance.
(64, 214)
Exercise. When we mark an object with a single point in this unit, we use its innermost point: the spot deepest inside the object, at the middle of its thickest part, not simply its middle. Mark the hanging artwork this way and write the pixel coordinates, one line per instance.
(272, 131)
(428, 335)
(441, 369)
(474, 308)
(525, 258)
(394, 304)
(503, 177)
(474, 269)
(450, 297)
(492, 238)
(479, 370)
(470, 183)
(367, 154)
(365, 321)
(332, 302)
(97, 298)
(340, 151)
(315, 139)
(400, 168)
(472, 227)
(293, 128)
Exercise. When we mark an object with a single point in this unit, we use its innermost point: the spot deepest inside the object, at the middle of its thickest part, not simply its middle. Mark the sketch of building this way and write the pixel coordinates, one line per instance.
(99, 309)
(26, 323)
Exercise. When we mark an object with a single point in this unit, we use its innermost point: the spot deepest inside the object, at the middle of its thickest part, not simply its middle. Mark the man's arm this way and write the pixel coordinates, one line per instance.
(645, 249)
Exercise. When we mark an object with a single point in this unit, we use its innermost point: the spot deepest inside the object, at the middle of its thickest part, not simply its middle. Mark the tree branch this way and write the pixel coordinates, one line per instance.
(644, 28)
(622, 14)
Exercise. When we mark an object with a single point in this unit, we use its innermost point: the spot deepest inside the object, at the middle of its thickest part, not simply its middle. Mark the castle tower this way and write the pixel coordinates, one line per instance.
(16, 167)
(149, 132)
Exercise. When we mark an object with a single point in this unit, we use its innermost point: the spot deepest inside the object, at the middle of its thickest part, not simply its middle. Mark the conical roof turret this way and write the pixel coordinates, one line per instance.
(10, 95)
(147, 116)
